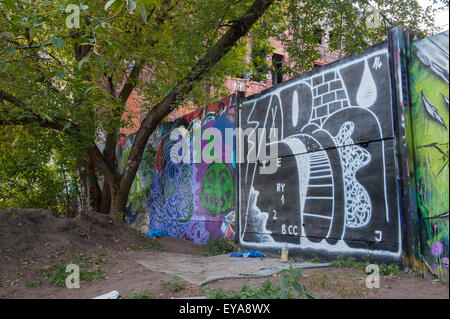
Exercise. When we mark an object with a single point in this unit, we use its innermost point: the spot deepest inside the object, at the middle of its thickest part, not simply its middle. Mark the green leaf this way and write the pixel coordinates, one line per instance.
(297, 272)
(58, 42)
(66, 126)
(297, 287)
(131, 5)
(10, 50)
(143, 13)
(46, 117)
(101, 62)
(283, 271)
(45, 43)
(60, 74)
(10, 4)
(149, 2)
(108, 4)
(286, 280)
(117, 6)
(80, 64)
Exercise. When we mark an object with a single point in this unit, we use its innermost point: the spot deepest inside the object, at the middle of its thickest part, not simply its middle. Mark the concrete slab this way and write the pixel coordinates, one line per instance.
(202, 270)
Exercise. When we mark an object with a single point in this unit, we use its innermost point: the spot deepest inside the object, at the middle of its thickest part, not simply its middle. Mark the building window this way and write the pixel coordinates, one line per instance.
(331, 35)
(318, 34)
(277, 75)
(259, 62)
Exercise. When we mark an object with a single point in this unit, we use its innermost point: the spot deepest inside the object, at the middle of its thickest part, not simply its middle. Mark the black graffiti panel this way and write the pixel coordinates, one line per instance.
(279, 198)
(334, 187)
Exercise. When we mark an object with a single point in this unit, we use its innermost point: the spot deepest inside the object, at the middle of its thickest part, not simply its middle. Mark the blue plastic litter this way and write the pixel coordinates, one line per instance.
(249, 254)
(155, 233)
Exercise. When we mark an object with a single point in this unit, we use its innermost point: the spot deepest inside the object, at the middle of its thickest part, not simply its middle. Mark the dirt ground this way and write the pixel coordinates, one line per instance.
(35, 246)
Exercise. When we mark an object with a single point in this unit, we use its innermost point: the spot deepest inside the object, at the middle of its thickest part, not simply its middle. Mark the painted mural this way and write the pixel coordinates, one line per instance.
(335, 189)
(137, 211)
(194, 201)
(429, 90)
(399, 44)
(361, 166)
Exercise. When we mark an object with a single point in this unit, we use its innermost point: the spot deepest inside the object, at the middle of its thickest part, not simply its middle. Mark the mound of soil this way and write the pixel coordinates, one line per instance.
(32, 239)
(26, 231)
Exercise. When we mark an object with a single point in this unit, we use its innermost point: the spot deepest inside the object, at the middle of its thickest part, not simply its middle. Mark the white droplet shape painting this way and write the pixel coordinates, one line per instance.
(367, 92)
(295, 109)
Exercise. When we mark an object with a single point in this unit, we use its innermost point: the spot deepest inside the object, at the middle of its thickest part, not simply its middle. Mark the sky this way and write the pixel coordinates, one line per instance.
(441, 18)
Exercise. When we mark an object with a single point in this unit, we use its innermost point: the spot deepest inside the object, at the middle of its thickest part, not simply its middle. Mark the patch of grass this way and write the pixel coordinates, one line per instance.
(56, 274)
(350, 262)
(34, 284)
(137, 234)
(341, 285)
(315, 259)
(341, 261)
(140, 295)
(289, 288)
(391, 269)
(219, 246)
(174, 286)
(152, 244)
(318, 281)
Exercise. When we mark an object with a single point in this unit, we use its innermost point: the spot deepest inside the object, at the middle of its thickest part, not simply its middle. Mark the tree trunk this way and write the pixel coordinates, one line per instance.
(120, 185)
(118, 205)
(92, 189)
(105, 203)
(239, 28)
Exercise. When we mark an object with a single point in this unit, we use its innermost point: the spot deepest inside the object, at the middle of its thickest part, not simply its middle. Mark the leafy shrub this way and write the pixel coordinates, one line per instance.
(289, 288)
(220, 245)
(140, 295)
(350, 262)
(174, 286)
(56, 274)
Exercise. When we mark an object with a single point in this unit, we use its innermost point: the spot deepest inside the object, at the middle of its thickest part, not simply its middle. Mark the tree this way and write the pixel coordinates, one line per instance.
(71, 69)
(35, 171)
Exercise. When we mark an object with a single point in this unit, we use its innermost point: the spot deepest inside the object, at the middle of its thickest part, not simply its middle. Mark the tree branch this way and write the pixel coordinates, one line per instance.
(239, 28)
(58, 124)
(130, 85)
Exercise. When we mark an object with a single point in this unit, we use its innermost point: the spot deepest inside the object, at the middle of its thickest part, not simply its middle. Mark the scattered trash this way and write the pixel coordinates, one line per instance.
(285, 253)
(110, 295)
(154, 233)
(249, 254)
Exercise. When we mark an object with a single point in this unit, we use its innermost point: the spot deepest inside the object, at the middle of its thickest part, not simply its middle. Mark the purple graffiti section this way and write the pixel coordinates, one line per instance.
(171, 203)
(194, 201)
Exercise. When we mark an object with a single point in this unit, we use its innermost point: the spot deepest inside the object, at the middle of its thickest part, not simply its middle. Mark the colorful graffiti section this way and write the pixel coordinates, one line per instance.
(429, 91)
(195, 201)
(361, 162)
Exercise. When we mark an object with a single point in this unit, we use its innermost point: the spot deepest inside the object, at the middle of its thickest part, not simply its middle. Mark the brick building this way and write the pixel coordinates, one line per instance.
(279, 58)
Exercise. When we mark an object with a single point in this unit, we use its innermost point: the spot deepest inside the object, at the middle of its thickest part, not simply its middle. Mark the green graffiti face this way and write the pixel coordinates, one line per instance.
(217, 188)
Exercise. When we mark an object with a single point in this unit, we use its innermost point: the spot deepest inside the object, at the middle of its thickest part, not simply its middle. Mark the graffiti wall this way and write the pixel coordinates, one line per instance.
(358, 158)
(137, 210)
(335, 189)
(429, 92)
(195, 201)
(399, 43)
